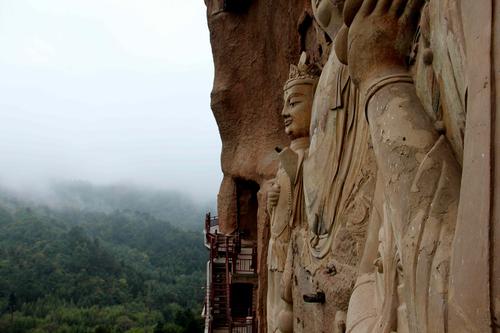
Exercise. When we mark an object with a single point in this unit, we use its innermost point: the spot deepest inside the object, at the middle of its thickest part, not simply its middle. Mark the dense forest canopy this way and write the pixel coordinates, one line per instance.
(98, 270)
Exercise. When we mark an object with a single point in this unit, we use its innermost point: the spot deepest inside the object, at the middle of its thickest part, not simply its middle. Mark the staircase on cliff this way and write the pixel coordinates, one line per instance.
(231, 282)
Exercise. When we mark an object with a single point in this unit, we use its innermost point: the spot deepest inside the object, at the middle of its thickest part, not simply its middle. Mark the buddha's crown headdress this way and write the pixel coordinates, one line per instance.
(303, 73)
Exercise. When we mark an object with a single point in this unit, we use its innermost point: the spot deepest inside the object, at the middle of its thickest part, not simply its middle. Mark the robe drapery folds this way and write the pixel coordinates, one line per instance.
(335, 170)
(288, 213)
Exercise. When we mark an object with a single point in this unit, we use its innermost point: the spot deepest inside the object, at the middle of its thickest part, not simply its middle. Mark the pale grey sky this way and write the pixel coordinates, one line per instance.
(107, 91)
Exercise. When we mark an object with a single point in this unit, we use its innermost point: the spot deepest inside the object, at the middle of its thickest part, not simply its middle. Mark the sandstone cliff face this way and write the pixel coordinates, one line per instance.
(253, 45)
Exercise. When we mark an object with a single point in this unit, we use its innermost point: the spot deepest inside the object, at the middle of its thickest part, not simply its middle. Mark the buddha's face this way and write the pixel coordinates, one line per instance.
(297, 110)
(328, 14)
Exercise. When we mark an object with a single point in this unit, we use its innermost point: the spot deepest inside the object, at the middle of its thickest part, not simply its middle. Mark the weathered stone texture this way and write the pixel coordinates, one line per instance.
(253, 48)
(402, 212)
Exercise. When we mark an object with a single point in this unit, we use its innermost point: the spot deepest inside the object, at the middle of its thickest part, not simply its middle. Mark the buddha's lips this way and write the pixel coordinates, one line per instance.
(288, 121)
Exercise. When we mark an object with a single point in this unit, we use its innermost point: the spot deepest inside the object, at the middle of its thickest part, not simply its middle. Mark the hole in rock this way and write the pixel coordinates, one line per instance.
(247, 206)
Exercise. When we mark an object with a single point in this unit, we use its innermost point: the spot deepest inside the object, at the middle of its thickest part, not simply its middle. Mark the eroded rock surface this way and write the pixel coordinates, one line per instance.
(253, 45)
(399, 231)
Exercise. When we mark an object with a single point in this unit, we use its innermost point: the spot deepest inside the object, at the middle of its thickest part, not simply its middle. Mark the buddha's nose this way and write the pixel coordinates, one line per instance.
(284, 111)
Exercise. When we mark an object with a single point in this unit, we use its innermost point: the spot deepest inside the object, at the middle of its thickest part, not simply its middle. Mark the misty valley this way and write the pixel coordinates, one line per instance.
(101, 259)
(109, 161)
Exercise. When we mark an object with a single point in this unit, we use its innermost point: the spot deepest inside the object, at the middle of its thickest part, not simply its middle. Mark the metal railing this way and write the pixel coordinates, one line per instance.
(243, 325)
(245, 265)
(228, 250)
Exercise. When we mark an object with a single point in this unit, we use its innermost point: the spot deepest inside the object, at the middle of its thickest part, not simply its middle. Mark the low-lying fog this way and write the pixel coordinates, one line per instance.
(107, 92)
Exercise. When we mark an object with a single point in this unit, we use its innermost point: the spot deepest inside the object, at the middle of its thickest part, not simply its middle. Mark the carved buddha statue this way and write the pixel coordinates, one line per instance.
(339, 171)
(285, 198)
(404, 275)
(339, 174)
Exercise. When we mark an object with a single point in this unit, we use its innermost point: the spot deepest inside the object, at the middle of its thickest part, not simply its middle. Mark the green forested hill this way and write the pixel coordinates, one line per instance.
(81, 271)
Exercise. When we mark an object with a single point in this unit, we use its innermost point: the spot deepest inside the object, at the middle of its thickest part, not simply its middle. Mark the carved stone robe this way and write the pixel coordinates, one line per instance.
(286, 214)
(339, 171)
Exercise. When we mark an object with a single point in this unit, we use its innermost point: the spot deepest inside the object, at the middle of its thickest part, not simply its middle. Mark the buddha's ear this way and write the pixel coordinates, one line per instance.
(341, 44)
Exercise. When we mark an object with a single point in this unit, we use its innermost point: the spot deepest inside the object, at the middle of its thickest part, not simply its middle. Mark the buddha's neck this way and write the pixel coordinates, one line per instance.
(300, 144)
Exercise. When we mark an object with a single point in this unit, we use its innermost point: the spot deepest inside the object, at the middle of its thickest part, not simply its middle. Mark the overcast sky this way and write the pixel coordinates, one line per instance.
(107, 91)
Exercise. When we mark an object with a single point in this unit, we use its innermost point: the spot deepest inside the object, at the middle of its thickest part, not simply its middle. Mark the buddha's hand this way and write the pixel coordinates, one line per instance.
(272, 197)
(380, 36)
